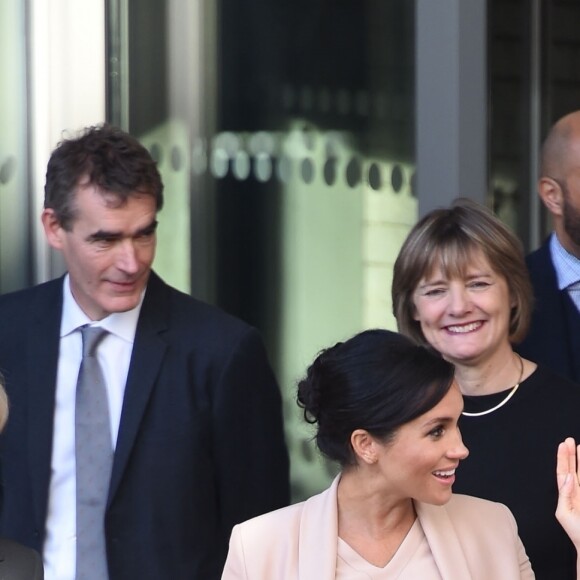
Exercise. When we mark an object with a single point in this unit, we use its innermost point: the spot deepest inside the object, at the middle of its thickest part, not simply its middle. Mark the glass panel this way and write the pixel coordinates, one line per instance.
(562, 74)
(15, 243)
(526, 39)
(285, 135)
(562, 38)
(509, 70)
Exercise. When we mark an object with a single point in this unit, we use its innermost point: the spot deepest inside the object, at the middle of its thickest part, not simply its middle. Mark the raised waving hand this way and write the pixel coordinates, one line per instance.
(568, 510)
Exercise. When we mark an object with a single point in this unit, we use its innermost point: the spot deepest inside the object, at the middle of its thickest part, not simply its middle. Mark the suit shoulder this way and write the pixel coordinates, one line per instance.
(262, 527)
(16, 307)
(267, 546)
(26, 295)
(188, 305)
(187, 312)
(460, 500)
(467, 508)
(535, 256)
(539, 262)
(190, 324)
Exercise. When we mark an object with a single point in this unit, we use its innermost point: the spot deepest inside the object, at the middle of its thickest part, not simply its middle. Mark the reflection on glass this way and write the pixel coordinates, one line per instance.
(242, 166)
(219, 163)
(375, 180)
(15, 234)
(299, 238)
(397, 178)
(284, 169)
(353, 172)
(263, 167)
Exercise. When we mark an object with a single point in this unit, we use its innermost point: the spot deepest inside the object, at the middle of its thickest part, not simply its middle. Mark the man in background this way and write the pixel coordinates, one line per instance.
(144, 423)
(554, 337)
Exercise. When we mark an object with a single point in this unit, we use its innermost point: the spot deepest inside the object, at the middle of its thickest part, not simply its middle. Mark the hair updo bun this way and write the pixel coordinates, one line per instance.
(311, 387)
(378, 380)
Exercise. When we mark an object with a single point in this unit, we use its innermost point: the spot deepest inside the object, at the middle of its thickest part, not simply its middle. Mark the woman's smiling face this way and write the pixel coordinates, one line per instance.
(466, 318)
(421, 460)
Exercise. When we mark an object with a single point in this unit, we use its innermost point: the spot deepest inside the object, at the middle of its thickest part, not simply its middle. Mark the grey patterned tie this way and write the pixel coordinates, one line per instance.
(94, 459)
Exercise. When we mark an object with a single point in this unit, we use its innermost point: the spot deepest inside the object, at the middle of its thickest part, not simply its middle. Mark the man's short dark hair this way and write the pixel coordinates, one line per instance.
(103, 156)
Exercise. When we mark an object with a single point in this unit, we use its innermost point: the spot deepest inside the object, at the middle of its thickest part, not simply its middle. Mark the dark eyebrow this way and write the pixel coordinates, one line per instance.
(147, 230)
(438, 420)
(102, 235)
(441, 420)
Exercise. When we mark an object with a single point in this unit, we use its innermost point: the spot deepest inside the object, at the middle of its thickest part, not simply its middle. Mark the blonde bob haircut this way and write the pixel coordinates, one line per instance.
(451, 239)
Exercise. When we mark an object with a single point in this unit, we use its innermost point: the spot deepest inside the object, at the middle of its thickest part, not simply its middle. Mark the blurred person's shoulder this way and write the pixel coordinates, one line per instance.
(19, 562)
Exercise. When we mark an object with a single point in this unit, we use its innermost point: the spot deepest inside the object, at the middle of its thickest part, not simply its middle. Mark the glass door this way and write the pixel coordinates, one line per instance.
(285, 134)
(15, 238)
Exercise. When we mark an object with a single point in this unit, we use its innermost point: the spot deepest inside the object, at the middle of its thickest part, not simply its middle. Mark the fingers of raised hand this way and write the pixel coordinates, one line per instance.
(568, 459)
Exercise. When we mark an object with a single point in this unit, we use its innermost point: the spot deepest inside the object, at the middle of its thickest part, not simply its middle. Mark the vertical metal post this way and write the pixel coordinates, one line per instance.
(118, 63)
(535, 92)
(451, 101)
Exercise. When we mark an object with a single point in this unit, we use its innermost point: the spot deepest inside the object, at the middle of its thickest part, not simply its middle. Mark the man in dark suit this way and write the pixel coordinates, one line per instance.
(554, 337)
(194, 419)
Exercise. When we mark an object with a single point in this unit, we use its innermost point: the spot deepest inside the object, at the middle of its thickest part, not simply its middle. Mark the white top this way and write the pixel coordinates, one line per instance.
(114, 354)
(412, 560)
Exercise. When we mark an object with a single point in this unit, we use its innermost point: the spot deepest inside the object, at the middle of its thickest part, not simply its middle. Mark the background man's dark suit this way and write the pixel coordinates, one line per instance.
(200, 444)
(554, 336)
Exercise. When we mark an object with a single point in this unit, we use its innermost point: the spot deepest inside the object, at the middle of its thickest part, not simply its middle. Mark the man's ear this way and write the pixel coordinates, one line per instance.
(552, 195)
(52, 228)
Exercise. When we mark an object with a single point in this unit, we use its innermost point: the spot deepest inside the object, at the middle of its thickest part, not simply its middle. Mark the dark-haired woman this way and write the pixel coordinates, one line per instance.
(387, 411)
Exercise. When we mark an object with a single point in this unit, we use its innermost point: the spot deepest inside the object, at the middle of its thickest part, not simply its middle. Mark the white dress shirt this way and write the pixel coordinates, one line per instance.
(567, 269)
(114, 354)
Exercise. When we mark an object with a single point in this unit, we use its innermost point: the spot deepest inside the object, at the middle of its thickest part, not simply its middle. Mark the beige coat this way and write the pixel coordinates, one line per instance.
(469, 538)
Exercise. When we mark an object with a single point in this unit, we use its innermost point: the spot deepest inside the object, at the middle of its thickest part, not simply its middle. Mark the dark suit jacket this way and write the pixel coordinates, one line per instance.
(200, 444)
(19, 563)
(554, 336)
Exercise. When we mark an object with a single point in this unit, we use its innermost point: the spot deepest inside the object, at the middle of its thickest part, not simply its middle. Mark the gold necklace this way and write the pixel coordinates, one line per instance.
(504, 401)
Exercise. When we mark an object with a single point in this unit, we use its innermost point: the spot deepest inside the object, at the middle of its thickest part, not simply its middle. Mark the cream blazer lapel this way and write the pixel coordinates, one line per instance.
(293, 543)
(319, 536)
(474, 539)
(443, 542)
(319, 533)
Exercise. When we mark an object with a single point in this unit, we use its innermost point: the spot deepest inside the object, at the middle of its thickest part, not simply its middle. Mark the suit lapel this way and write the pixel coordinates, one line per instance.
(319, 535)
(560, 316)
(551, 332)
(148, 352)
(572, 324)
(43, 347)
(42, 352)
(443, 541)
